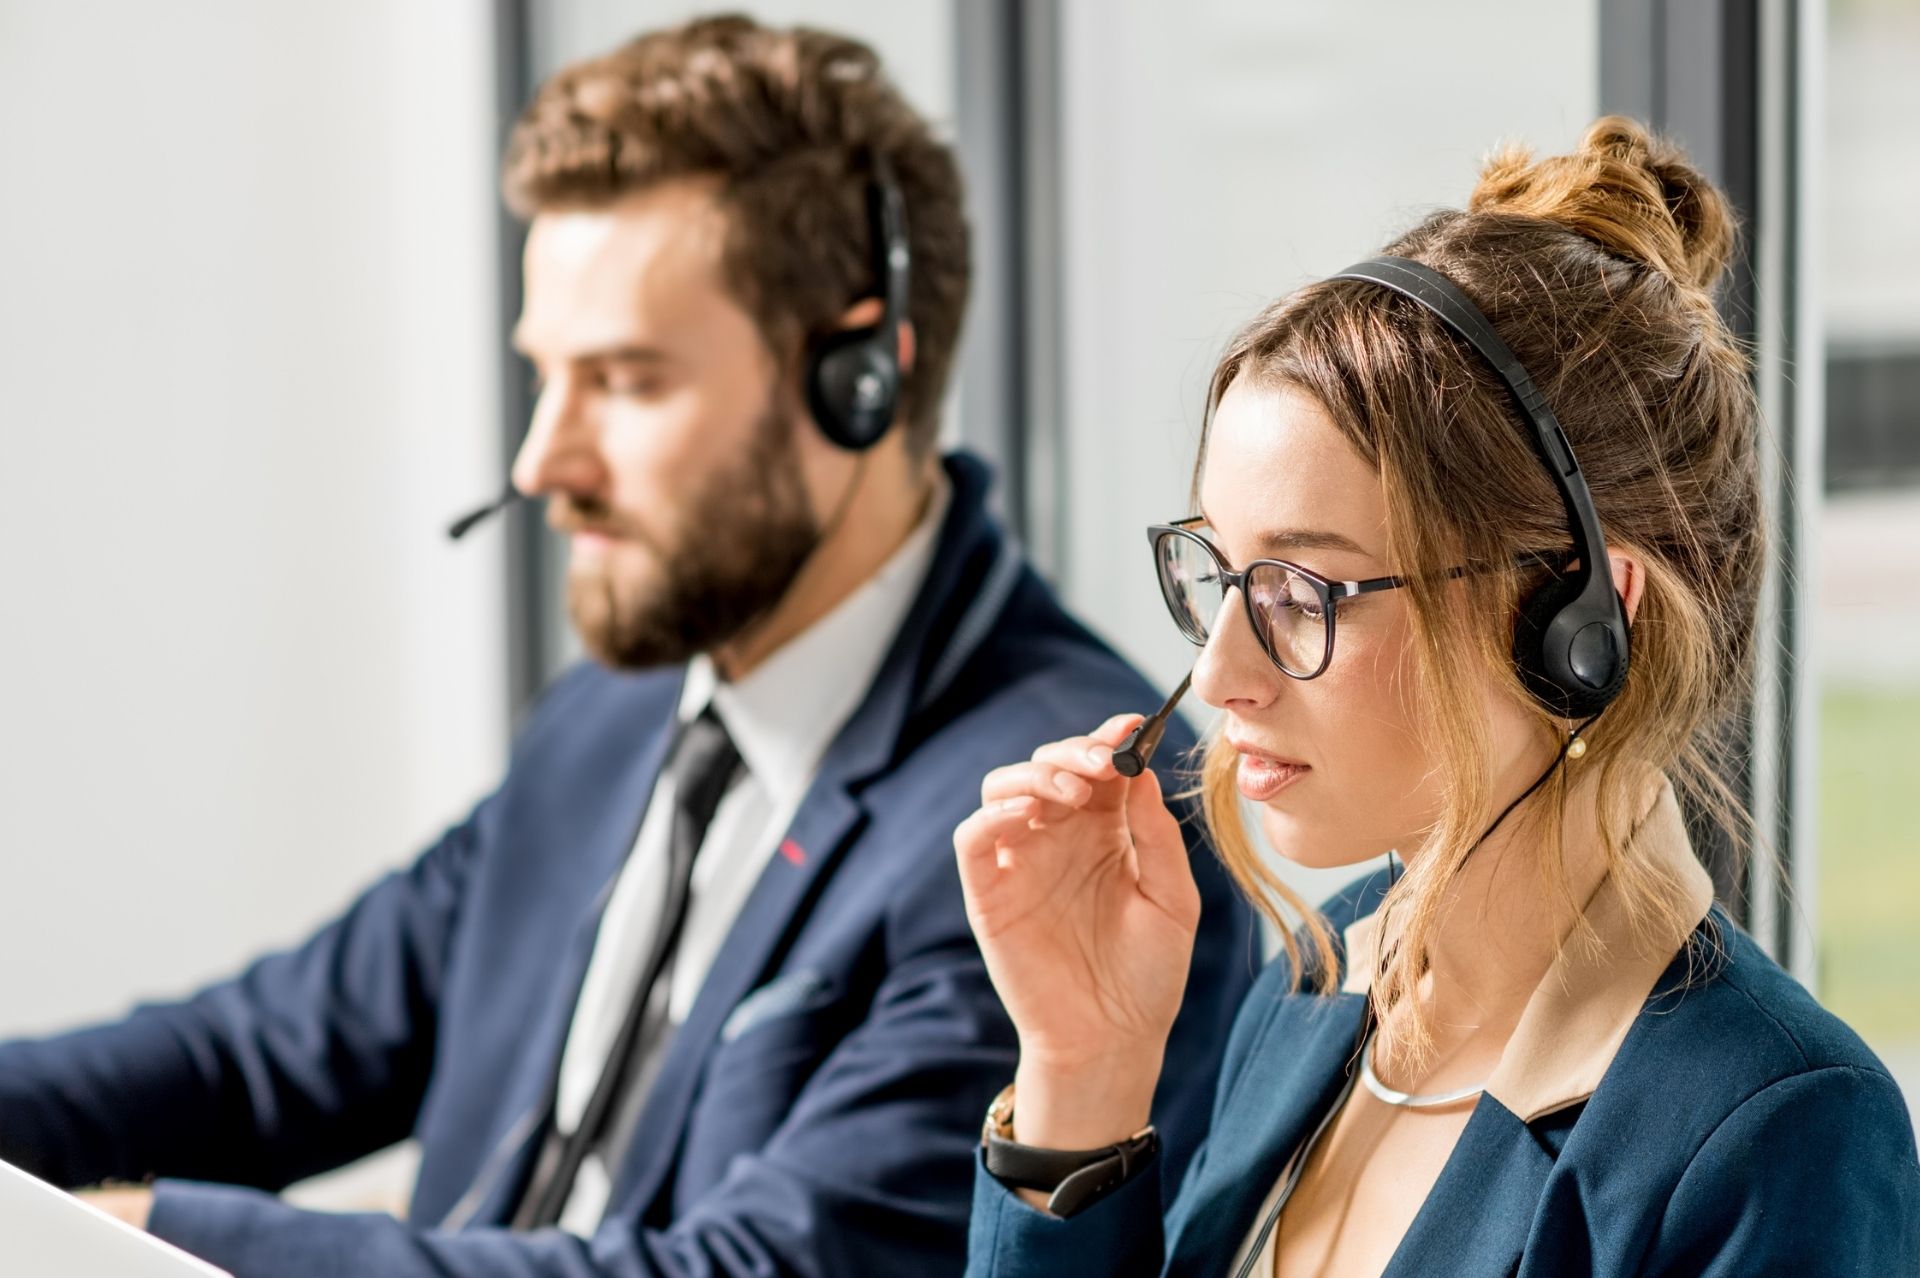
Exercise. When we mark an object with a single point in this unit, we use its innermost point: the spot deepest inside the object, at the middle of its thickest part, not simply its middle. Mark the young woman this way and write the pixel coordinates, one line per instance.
(1534, 1046)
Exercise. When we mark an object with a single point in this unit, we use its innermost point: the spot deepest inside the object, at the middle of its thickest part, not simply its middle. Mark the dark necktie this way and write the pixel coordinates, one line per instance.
(702, 768)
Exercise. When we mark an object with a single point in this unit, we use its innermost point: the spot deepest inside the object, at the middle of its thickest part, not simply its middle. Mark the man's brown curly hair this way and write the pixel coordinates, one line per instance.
(786, 120)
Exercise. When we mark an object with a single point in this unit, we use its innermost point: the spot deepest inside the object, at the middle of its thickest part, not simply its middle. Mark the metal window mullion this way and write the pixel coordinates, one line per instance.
(1771, 765)
(1804, 58)
(1788, 362)
(991, 371)
(527, 603)
(1044, 295)
(1007, 57)
(1727, 79)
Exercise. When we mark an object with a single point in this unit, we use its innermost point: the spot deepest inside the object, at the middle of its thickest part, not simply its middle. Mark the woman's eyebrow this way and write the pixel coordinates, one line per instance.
(1309, 539)
(1302, 539)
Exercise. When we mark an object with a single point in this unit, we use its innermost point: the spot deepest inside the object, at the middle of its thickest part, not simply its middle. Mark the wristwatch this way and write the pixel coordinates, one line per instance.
(1075, 1179)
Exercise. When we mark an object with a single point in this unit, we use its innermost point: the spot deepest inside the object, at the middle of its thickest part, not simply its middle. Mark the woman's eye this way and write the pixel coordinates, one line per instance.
(1305, 605)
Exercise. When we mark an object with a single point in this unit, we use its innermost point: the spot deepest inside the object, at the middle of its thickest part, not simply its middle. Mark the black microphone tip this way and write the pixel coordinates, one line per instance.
(1136, 752)
(473, 518)
(1133, 755)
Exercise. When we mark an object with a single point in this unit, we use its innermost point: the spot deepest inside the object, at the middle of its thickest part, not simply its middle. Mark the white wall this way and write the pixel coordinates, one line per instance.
(247, 340)
(1220, 153)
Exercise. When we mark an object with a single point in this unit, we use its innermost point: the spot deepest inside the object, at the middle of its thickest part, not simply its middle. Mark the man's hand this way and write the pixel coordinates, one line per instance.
(131, 1203)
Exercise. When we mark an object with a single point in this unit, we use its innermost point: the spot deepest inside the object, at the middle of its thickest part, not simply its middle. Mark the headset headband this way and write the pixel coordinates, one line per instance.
(1443, 298)
(892, 256)
(1584, 635)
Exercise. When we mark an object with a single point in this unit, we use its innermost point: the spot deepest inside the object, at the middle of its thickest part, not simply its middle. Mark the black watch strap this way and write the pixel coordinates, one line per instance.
(1076, 1178)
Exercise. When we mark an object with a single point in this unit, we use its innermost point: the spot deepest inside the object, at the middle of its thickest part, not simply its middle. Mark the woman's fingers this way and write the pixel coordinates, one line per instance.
(1082, 756)
(1062, 771)
(1092, 754)
(1115, 730)
(985, 841)
(1008, 820)
(980, 835)
(1160, 853)
(1035, 780)
(1062, 778)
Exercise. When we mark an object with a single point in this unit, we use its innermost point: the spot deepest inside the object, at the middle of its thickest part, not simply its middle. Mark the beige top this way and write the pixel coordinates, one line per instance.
(1579, 1014)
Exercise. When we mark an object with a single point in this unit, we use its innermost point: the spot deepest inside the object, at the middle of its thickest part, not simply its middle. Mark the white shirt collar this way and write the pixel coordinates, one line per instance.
(788, 710)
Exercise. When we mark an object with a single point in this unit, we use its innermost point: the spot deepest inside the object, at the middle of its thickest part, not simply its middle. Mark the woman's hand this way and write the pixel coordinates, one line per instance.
(1080, 894)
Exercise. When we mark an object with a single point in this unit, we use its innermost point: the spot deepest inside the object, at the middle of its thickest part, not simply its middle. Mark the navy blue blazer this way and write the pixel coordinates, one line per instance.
(1739, 1129)
(817, 1112)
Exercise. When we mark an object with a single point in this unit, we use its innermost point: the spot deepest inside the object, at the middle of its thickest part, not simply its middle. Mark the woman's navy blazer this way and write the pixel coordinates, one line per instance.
(1712, 1120)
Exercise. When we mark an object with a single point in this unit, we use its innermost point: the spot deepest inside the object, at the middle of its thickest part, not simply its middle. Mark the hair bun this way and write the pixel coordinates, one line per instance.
(1634, 194)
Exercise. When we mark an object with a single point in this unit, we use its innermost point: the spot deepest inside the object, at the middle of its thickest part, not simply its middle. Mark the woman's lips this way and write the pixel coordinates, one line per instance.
(1262, 776)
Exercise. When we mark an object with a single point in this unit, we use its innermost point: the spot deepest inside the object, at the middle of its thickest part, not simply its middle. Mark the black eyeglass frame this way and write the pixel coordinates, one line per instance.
(1331, 593)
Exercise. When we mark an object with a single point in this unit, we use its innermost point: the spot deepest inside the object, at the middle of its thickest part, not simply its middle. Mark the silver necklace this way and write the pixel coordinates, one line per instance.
(1408, 1100)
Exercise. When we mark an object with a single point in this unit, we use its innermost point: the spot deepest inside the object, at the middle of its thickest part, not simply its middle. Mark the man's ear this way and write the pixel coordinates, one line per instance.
(1629, 579)
(867, 312)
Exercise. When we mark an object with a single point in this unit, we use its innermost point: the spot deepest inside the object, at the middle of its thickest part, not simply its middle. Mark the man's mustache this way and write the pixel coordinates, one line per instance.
(572, 515)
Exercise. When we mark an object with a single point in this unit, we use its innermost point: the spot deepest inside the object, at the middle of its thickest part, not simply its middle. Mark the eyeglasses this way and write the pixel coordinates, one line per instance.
(1290, 608)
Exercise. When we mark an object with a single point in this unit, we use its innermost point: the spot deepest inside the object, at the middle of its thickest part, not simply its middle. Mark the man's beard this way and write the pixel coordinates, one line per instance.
(740, 540)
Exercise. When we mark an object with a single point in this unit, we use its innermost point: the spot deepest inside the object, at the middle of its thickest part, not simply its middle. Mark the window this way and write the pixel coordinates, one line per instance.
(1867, 579)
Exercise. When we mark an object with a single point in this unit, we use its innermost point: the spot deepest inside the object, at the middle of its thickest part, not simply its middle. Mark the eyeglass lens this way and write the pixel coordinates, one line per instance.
(1289, 612)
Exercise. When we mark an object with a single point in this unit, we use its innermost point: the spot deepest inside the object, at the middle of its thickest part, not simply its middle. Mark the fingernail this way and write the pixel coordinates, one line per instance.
(1013, 805)
(1100, 756)
(1066, 785)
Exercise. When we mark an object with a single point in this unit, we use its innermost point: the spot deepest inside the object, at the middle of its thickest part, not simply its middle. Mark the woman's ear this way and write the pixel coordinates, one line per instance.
(1629, 579)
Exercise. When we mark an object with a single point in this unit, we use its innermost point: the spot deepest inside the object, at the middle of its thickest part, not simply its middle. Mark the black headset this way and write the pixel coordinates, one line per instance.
(853, 375)
(1570, 642)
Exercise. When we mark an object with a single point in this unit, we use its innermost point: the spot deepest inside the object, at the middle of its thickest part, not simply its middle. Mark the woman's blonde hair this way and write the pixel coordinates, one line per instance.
(1597, 268)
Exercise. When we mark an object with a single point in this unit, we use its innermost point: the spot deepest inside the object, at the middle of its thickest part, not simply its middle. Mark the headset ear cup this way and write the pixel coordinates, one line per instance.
(823, 383)
(852, 388)
(1537, 611)
(1551, 681)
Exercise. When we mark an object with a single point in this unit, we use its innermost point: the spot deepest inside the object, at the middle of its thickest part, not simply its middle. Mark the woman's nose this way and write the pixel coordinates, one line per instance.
(1234, 671)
